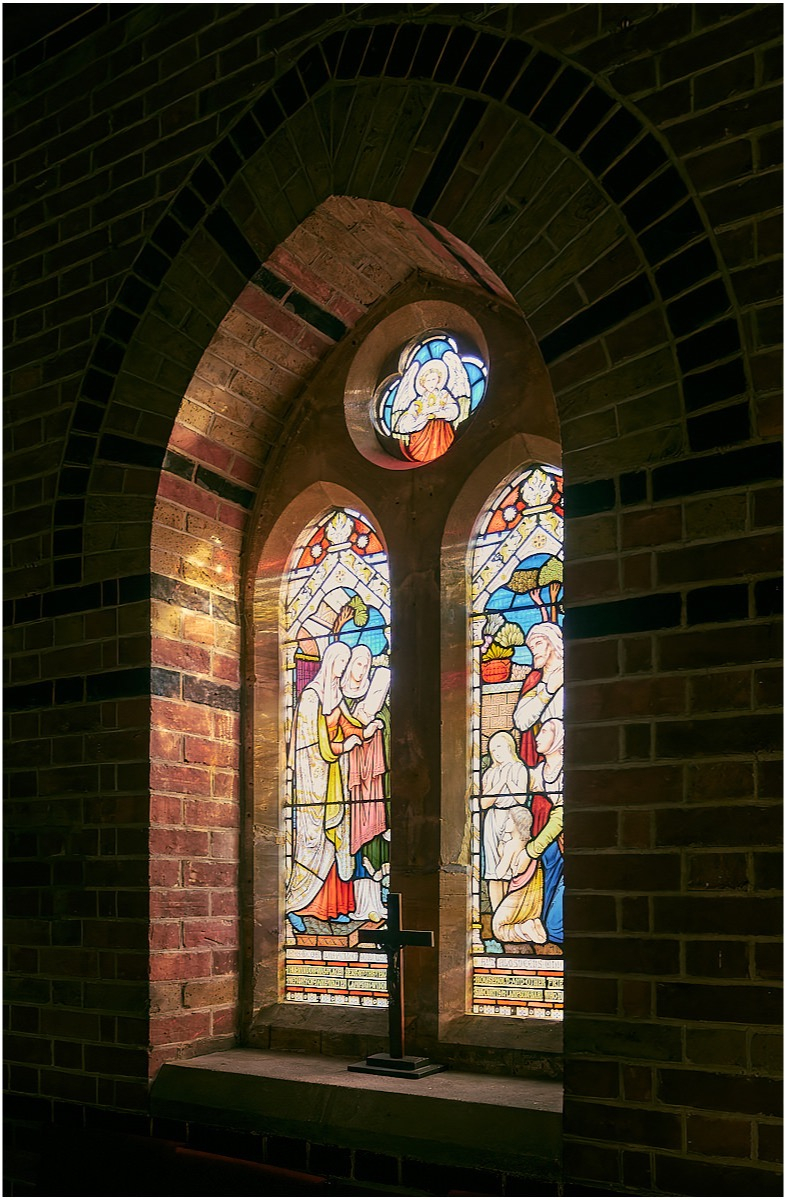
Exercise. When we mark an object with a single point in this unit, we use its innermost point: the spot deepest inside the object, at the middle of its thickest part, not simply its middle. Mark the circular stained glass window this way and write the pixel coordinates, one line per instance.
(419, 411)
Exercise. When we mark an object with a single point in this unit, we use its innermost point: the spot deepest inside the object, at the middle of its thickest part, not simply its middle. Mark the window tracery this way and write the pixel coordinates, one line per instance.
(312, 974)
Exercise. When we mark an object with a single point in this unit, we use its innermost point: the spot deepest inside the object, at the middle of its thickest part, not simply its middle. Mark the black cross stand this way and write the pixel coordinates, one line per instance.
(392, 939)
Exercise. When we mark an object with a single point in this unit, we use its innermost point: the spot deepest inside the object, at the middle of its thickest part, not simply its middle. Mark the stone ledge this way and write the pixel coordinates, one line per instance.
(453, 1118)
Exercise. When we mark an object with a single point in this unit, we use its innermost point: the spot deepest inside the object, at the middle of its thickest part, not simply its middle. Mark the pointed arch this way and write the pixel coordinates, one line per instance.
(335, 663)
(461, 828)
(516, 702)
(296, 613)
(626, 198)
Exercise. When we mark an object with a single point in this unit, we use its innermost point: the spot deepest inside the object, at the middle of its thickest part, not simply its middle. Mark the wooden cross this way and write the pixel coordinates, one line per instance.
(392, 939)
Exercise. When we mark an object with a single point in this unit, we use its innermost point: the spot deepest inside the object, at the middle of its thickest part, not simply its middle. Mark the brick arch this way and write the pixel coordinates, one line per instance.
(241, 400)
(670, 719)
(664, 258)
(195, 752)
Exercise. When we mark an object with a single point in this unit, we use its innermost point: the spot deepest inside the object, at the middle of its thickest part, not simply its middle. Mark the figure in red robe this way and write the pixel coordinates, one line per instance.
(540, 699)
(426, 425)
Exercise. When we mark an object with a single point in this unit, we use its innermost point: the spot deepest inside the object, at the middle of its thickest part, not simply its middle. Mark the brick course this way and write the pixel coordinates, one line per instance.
(174, 279)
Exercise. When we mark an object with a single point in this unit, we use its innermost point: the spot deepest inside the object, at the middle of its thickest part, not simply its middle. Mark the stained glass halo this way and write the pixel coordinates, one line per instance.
(418, 411)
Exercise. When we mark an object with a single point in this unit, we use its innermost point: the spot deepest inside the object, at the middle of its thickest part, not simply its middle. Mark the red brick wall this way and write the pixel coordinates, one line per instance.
(151, 170)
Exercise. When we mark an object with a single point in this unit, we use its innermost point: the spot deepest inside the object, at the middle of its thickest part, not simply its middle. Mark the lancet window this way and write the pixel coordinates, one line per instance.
(335, 663)
(516, 737)
(343, 810)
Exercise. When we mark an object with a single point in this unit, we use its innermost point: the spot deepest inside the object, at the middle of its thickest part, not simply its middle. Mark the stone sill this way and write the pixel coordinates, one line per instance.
(454, 1117)
(501, 1033)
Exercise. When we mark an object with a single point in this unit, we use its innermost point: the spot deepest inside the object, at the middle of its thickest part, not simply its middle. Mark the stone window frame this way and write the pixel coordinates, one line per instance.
(456, 1023)
(362, 476)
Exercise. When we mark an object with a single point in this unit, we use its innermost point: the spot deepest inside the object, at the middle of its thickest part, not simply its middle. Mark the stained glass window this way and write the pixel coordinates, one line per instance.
(419, 410)
(336, 805)
(516, 636)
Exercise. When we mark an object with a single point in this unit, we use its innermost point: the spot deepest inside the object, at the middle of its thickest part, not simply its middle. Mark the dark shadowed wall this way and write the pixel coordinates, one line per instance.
(618, 168)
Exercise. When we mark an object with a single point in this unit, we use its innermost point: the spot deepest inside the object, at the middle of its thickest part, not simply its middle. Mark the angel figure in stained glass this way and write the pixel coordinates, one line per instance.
(432, 399)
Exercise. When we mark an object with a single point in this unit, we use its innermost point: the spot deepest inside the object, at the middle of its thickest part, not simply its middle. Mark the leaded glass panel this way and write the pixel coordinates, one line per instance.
(336, 804)
(516, 636)
(419, 410)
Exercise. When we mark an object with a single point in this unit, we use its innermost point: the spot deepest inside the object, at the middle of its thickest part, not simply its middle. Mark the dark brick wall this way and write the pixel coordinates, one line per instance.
(178, 1158)
(619, 170)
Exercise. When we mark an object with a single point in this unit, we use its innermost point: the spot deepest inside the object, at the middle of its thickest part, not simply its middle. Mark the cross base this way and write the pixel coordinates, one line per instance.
(410, 1066)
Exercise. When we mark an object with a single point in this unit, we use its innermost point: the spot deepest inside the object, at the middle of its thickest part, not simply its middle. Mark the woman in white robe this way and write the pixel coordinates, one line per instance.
(503, 786)
(320, 883)
(517, 918)
(531, 910)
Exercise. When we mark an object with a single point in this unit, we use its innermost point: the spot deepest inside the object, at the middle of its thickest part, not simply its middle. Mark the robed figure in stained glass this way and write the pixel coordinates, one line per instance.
(503, 786)
(320, 882)
(429, 404)
(517, 738)
(538, 716)
(541, 696)
(419, 411)
(365, 769)
(531, 909)
(336, 793)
